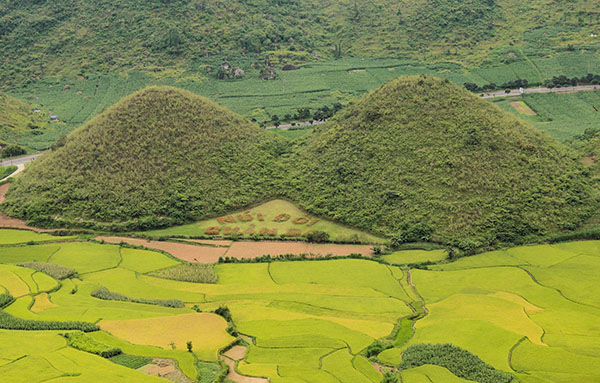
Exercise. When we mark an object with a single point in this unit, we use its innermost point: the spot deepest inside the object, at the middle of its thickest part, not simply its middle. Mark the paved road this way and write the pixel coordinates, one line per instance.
(566, 89)
(20, 160)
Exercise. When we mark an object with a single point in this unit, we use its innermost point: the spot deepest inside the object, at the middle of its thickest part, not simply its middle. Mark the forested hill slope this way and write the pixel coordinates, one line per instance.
(421, 159)
(44, 37)
(160, 156)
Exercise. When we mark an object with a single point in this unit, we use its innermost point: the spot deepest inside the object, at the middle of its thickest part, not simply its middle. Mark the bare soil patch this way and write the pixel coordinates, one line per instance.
(165, 368)
(522, 108)
(236, 353)
(588, 161)
(256, 249)
(237, 378)
(189, 253)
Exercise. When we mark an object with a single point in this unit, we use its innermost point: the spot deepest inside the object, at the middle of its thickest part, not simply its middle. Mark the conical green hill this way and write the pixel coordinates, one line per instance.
(420, 158)
(157, 157)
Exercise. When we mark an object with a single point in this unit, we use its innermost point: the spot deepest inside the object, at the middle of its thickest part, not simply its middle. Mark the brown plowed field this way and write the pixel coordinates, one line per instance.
(189, 253)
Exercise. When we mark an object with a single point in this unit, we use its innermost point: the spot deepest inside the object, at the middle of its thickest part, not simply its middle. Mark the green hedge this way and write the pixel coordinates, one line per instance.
(81, 341)
(9, 322)
(106, 294)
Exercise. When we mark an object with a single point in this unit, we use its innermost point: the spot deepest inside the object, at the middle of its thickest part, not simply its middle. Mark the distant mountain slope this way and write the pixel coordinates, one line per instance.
(44, 38)
(159, 156)
(420, 158)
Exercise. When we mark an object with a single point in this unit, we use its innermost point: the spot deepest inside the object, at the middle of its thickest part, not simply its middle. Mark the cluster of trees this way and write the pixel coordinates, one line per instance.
(106, 294)
(305, 114)
(460, 362)
(285, 257)
(560, 81)
(519, 83)
(12, 151)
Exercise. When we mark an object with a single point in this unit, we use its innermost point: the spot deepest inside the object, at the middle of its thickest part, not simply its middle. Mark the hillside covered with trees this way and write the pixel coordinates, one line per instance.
(70, 37)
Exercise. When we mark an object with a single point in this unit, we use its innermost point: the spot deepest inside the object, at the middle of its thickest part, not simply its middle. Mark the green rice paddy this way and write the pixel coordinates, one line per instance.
(310, 321)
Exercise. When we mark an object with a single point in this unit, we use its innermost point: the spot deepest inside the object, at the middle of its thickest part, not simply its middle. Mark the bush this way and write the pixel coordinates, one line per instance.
(317, 236)
(82, 342)
(55, 271)
(224, 312)
(12, 150)
(9, 322)
(107, 295)
(460, 362)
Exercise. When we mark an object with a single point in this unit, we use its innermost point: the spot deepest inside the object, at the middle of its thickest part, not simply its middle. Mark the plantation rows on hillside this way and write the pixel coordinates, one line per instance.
(75, 99)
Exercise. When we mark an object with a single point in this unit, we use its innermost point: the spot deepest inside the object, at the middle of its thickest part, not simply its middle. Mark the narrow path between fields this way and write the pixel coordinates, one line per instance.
(234, 355)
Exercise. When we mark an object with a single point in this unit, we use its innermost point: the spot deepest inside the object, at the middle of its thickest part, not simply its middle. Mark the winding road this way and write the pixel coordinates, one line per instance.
(19, 162)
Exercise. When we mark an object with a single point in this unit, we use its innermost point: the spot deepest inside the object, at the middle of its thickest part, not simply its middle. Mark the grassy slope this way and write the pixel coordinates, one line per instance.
(20, 125)
(179, 157)
(421, 151)
(76, 36)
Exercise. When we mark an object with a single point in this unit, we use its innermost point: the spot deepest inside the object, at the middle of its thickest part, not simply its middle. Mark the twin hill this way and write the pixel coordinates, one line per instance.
(158, 157)
(417, 159)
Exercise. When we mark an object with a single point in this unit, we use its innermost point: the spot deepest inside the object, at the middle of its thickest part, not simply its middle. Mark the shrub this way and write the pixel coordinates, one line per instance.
(55, 271)
(189, 272)
(317, 236)
(83, 342)
(106, 294)
(224, 312)
(460, 362)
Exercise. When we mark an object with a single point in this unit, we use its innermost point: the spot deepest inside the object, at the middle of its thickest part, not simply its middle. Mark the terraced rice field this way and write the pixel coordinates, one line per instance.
(308, 321)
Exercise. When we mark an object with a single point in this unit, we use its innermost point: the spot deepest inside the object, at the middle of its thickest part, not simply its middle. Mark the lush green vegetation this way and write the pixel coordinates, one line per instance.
(82, 38)
(106, 294)
(485, 185)
(157, 138)
(460, 362)
(189, 272)
(81, 341)
(420, 159)
(55, 271)
(6, 171)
